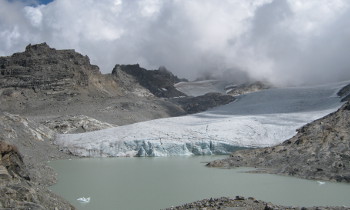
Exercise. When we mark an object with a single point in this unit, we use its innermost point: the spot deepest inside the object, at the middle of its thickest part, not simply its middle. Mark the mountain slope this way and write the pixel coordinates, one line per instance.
(159, 82)
(43, 83)
(320, 150)
(23, 173)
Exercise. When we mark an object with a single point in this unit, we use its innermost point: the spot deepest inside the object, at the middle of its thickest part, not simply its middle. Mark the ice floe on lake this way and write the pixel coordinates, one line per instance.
(84, 200)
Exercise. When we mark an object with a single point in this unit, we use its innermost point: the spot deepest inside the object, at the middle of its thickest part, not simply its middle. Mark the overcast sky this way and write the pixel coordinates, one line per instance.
(287, 42)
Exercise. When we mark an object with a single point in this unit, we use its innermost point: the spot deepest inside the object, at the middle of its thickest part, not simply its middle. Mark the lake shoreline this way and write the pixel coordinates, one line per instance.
(241, 202)
(126, 169)
(319, 151)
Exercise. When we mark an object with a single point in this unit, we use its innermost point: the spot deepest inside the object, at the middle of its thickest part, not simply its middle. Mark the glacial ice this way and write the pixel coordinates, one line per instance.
(84, 200)
(257, 119)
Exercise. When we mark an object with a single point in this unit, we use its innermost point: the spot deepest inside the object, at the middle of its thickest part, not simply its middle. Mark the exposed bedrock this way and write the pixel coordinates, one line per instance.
(320, 150)
(17, 190)
(159, 82)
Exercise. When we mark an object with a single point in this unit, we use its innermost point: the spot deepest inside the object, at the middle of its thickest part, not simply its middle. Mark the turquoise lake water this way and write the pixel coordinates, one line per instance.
(156, 183)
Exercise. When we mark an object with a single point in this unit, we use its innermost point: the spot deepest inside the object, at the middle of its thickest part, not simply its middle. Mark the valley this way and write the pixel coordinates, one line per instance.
(54, 104)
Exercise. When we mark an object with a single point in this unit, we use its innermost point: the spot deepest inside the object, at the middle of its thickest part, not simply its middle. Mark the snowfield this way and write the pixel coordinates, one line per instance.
(257, 119)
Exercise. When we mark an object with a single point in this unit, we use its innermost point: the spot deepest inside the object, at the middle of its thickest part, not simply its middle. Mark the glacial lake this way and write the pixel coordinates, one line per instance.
(156, 183)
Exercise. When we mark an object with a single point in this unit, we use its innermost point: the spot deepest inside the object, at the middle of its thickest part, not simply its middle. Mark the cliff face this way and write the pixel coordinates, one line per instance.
(320, 150)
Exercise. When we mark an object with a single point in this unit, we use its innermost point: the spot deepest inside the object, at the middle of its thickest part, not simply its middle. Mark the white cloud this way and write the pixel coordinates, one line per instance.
(34, 15)
(283, 41)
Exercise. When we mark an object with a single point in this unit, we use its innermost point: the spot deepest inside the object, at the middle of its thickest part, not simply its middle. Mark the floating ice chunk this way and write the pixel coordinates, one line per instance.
(84, 200)
(321, 183)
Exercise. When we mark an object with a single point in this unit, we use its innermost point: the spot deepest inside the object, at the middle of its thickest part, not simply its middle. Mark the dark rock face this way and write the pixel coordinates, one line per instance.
(320, 150)
(17, 190)
(43, 68)
(12, 161)
(202, 103)
(159, 82)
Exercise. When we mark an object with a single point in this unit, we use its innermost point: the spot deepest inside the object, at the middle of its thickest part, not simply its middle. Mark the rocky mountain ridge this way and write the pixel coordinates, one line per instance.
(202, 103)
(51, 71)
(159, 82)
(41, 81)
(320, 150)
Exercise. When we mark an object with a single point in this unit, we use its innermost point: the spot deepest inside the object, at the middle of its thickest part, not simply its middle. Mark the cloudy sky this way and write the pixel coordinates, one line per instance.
(287, 42)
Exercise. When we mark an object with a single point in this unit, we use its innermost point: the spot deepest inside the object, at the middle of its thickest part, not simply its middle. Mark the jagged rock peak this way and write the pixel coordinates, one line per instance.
(45, 68)
(39, 47)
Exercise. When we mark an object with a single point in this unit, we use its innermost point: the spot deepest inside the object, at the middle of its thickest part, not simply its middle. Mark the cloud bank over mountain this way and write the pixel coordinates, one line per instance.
(286, 42)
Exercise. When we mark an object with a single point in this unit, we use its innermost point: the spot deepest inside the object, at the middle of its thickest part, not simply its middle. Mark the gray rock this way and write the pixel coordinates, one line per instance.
(76, 124)
(159, 82)
(239, 203)
(202, 103)
(42, 68)
(320, 150)
(18, 191)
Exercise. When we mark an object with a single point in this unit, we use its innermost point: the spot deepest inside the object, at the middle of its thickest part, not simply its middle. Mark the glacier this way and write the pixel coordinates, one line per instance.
(259, 119)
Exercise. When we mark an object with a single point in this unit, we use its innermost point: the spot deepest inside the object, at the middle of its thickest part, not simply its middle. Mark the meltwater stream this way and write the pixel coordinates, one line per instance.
(156, 183)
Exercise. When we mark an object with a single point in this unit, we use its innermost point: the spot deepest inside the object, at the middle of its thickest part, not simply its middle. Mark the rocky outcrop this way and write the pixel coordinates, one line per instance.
(16, 188)
(76, 124)
(202, 103)
(16, 128)
(159, 82)
(34, 141)
(236, 90)
(240, 203)
(320, 150)
(11, 162)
